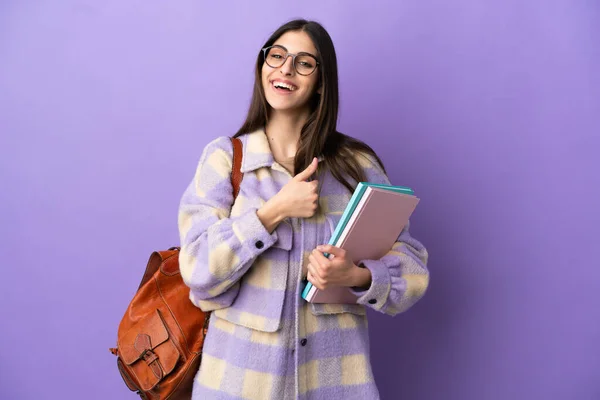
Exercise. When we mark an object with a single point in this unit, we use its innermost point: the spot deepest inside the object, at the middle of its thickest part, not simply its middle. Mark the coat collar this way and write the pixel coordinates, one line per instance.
(257, 152)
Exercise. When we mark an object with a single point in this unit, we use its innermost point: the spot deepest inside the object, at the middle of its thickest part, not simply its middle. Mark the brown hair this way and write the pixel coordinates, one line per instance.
(319, 135)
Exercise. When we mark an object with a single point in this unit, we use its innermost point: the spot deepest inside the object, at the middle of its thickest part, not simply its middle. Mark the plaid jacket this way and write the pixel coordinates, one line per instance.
(264, 341)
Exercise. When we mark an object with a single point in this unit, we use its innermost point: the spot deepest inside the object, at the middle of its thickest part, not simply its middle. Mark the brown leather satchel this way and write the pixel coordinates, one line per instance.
(160, 338)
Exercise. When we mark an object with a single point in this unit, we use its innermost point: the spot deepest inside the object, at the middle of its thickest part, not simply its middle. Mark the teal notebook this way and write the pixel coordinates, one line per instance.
(354, 200)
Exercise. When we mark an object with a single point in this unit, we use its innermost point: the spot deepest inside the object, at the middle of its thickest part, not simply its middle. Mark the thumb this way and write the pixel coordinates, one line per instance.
(311, 169)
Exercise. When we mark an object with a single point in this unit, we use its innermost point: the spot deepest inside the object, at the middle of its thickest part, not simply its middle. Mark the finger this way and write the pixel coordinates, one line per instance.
(317, 272)
(311, 169)
(310, 277)
(315, 265)
(311, 269)
(319, 257)
(336, 251)
(315, 281)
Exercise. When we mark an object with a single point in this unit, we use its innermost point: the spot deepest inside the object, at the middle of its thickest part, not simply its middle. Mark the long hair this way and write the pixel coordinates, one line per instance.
(319, 135)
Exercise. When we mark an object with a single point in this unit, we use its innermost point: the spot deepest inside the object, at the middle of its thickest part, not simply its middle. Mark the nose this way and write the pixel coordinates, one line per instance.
(288, 66)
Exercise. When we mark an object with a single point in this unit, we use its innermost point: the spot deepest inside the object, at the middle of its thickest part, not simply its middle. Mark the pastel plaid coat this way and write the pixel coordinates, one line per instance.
(264, 341)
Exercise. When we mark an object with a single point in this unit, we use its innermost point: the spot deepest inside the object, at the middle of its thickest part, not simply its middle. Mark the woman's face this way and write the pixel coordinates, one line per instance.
(285, 89)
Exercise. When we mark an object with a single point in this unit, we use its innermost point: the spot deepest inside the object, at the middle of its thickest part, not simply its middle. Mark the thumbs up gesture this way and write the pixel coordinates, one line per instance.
(299, 198)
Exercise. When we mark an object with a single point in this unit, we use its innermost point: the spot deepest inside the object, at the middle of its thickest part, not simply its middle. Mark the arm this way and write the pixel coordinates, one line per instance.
(400, 278)
(217, 249)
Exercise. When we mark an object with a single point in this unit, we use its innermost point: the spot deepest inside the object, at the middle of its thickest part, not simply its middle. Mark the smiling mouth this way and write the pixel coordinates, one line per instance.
(284, 86)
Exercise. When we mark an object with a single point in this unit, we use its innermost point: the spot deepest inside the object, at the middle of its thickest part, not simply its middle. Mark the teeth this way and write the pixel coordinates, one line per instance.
(284, 85)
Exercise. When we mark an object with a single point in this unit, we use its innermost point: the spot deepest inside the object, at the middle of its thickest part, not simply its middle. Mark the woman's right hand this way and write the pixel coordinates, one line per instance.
(298, 198)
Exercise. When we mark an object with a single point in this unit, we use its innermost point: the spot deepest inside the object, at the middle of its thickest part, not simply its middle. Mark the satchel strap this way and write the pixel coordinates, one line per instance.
(159, 257)
(236, 171)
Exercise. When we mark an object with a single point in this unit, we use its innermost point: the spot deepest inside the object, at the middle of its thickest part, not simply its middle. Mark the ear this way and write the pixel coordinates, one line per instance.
(319, 89)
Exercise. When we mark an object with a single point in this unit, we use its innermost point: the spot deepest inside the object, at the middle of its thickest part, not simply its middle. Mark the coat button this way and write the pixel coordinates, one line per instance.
(303, 342)
(372, 301)
(259, 244)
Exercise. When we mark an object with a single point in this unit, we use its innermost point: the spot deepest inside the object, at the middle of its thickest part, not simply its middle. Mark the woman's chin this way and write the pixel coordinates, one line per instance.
(278, 105)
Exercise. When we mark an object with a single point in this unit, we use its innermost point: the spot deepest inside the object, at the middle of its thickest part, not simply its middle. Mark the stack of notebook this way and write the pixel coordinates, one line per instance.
(369, 227)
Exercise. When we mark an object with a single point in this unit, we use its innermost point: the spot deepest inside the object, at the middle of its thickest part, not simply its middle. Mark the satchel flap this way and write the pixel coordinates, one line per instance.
(148, 334)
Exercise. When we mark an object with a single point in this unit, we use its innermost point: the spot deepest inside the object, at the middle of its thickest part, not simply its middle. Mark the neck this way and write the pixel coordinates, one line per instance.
(283, 131)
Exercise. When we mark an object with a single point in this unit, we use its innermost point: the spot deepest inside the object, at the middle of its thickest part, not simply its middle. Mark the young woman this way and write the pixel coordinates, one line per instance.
(248, 260)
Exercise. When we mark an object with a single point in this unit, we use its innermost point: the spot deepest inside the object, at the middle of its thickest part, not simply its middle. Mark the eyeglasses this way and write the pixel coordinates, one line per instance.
(276, 56)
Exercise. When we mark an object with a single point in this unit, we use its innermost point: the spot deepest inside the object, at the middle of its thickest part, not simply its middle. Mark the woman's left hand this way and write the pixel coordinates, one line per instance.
(337, 271)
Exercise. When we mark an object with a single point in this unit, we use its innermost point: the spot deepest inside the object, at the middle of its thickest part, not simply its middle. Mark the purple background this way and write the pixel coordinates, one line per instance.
(490, 110)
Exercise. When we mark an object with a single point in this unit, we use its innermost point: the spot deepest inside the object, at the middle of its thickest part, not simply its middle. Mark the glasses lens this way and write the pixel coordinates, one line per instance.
(305, 64)
(275, 57)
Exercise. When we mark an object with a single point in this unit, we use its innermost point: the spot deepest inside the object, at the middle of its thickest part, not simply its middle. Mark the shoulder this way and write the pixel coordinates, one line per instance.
(369, 161)
(218, 150)
(219, 144)
(366, 160)
(216, 159)
(360, 151)
(372, 167)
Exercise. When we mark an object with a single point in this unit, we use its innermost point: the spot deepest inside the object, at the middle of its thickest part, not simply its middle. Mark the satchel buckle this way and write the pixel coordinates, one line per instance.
(151, 360)
(144, 346)
(149, 356)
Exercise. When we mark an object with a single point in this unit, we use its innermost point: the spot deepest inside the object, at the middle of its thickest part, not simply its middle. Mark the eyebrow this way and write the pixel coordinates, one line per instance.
(300, 52)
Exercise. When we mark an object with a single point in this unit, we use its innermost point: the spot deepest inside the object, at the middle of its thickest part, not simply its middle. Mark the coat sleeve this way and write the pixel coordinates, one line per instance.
(400, 278)
(216, 249)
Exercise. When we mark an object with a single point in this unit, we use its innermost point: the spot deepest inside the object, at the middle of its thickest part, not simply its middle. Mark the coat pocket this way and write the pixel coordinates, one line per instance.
(328, 309)
(259, 302)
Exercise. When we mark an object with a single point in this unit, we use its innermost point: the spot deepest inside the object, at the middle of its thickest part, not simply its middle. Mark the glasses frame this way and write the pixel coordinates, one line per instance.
(288, 54)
